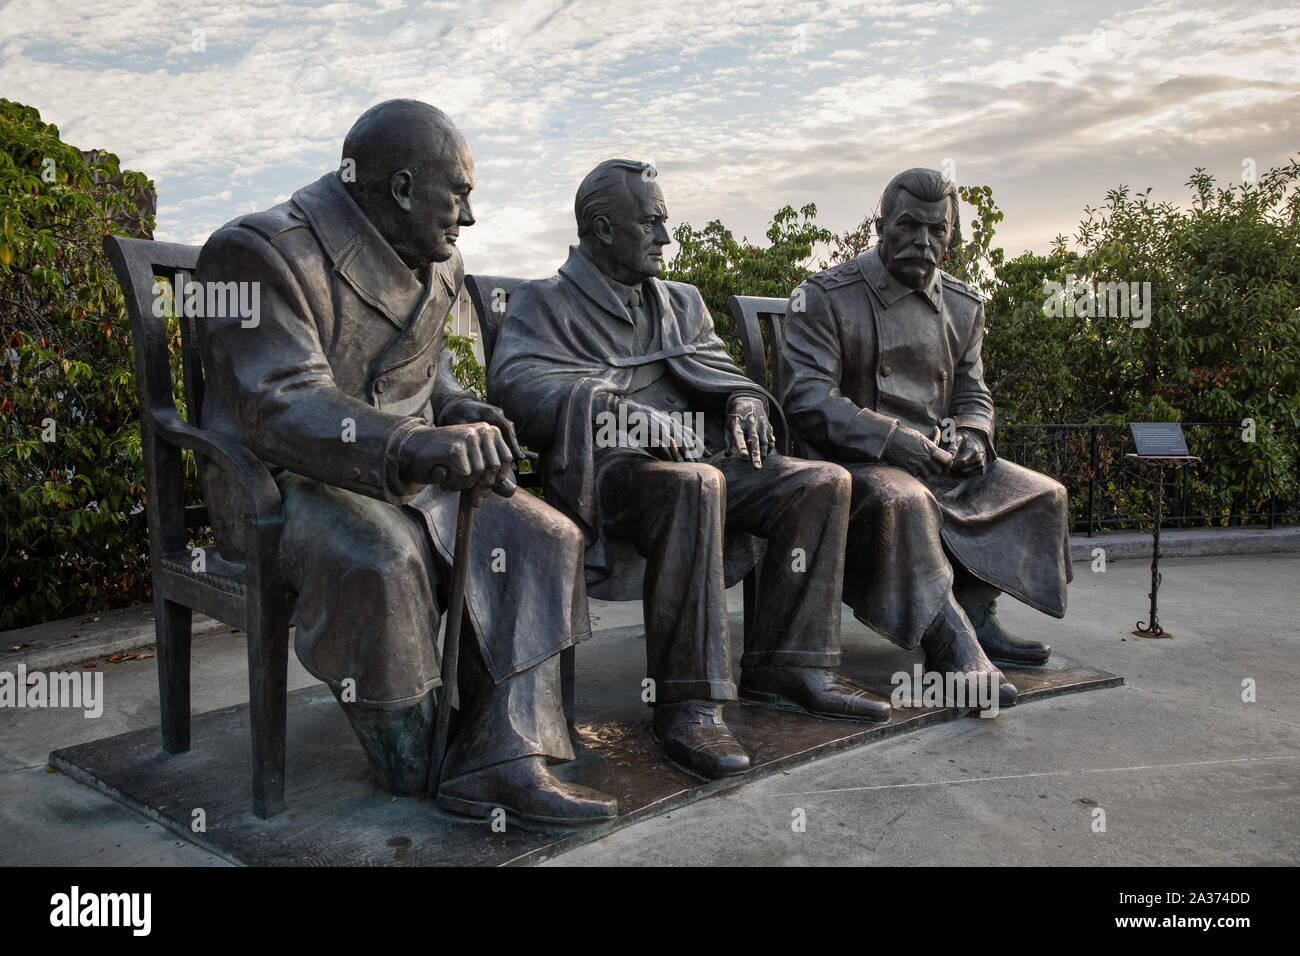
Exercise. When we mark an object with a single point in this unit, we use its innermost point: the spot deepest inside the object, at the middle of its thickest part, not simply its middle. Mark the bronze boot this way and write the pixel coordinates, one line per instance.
(951, 648)
(525, 788)
(398, 742)
(979, 601)
(811, 690)
(692, 734)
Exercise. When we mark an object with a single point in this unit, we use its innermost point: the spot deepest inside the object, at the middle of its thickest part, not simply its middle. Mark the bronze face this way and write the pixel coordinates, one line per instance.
(634, 235)
(914, 238)
(436, 200)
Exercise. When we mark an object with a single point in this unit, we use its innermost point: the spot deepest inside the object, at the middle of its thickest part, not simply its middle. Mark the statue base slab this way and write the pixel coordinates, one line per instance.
(337, 816)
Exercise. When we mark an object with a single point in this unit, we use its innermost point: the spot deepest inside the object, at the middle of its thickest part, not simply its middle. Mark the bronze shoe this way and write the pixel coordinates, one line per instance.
(693, 735)
(950, 646)
(1001, 646)
(527, 789)
(812, 690)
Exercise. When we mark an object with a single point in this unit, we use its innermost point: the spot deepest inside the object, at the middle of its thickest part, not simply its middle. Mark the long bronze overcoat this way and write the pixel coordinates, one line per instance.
(864, 355)
(348, 355)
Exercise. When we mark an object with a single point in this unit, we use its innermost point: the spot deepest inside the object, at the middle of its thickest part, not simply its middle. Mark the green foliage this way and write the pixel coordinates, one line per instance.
(66, 374)
(712, 260)
(1224, 340)
(974, 260)
(469, 372)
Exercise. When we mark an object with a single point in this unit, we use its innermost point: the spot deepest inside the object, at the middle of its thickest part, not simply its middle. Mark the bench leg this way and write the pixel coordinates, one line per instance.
(172, 626)
(568, 657)
(751, 599)
(268, 671)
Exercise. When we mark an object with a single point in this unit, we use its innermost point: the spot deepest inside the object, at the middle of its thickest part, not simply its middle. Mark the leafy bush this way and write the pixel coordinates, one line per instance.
(712, 260)
(1223, 344)
(70, 464)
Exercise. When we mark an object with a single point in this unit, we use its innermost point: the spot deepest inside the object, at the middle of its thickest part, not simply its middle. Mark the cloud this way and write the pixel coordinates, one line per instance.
(743, 106)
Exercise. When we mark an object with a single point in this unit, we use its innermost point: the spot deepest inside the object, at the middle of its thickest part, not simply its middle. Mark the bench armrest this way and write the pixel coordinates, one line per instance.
(245, 469)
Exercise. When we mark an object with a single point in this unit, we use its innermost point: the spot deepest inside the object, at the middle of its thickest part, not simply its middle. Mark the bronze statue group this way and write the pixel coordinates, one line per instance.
(893, 500)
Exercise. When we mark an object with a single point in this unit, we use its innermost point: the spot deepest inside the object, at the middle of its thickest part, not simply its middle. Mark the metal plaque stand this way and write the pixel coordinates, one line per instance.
(1152, 628)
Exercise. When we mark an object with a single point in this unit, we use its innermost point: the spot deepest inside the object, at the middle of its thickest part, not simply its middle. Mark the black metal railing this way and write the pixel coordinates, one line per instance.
(1109, 490)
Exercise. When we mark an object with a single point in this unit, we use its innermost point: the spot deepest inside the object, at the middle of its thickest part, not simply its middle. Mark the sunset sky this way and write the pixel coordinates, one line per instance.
(744, 107)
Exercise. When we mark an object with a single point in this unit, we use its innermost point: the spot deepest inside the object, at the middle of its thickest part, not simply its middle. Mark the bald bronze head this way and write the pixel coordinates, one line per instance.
(411, 172)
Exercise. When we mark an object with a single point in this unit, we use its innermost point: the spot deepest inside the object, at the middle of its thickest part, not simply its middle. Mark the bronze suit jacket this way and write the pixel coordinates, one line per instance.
(567, 341)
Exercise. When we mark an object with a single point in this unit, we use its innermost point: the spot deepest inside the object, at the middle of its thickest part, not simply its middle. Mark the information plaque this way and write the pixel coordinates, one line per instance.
(1159, 439)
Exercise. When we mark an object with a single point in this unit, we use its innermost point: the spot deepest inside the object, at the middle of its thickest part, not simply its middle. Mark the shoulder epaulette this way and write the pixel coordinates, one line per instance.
(839, 275)
(956, 285)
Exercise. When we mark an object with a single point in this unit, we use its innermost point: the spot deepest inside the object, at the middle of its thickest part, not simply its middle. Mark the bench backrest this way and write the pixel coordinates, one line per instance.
(490, 296)
(751, 313)
(139, 264)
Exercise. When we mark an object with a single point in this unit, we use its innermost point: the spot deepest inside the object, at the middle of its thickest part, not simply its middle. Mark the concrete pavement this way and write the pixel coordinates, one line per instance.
(1181, 768)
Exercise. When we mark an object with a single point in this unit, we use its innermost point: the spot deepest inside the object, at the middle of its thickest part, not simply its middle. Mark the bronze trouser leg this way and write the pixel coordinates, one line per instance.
(520, 717)
(673, 512)
(971, 592)
(802, 509)
(366, 578)
(897, 574)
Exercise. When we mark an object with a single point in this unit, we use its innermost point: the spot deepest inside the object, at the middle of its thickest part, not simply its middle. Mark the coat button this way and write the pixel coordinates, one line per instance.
(374, 477)
(885, 370)
(356, 474)
(430, 370)
(943, 375)
(379, 387)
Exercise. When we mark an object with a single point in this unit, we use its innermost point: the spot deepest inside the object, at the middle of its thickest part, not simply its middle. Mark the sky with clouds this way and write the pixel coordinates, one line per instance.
(743, 106)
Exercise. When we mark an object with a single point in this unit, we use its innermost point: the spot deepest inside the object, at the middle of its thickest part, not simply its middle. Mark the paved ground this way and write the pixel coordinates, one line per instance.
(1184, 770)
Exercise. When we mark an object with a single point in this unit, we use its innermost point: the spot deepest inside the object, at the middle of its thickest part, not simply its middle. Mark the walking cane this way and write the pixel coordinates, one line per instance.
(451, 643)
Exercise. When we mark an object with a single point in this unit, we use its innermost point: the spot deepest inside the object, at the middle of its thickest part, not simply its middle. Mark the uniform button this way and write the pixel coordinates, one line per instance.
(429, 371)
(943, 375)
(356, 474)
(379, 387)
(671, 400)
(882, 284)
(885, 370)
(374, 477)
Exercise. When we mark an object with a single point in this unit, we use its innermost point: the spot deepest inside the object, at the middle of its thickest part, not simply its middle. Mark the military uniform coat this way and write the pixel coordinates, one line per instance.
(863, 355)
